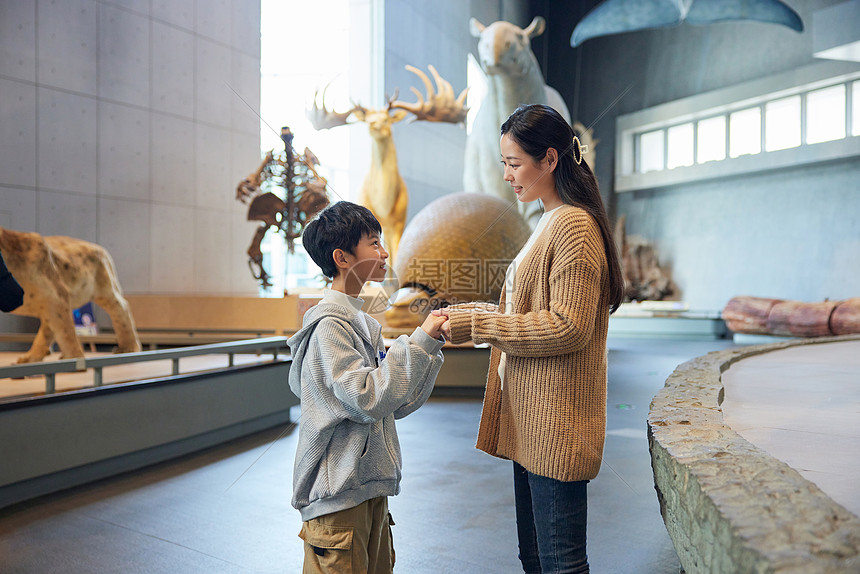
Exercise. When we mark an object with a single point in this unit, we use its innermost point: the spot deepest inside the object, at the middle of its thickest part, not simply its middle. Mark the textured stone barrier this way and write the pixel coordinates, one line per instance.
(729, 506)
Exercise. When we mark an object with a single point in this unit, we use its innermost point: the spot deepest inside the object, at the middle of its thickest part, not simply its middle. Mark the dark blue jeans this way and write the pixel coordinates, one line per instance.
(551, 520)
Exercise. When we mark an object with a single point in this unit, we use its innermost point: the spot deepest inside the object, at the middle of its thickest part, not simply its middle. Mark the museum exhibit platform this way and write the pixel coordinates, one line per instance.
(665, 320)
(68, 422)
(754, 455)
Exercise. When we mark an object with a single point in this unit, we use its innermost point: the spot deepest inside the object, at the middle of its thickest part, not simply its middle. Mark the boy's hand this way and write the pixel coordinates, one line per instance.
(446, 326)
(433, 325)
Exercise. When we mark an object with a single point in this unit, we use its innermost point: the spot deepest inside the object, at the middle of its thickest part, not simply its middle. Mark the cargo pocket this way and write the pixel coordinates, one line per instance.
(329, 546)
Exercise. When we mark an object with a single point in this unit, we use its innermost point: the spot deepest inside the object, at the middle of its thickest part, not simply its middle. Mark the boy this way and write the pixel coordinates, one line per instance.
(348, 456)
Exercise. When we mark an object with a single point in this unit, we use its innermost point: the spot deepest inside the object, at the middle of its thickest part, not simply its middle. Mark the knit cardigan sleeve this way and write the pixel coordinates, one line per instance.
(482, 306)
(575, 253)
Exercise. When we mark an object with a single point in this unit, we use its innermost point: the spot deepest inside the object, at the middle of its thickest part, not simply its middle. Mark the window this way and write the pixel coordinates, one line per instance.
(651, 151)
(763, 124)
(711, 140)
(782, 123)
(477, 90)
(680, 146)
(855, 108)
(745, 132)
(825, 114)
(285, 85)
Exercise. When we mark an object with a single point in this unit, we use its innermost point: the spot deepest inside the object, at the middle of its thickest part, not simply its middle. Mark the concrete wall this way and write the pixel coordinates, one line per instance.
(790, 234)
(118, 126)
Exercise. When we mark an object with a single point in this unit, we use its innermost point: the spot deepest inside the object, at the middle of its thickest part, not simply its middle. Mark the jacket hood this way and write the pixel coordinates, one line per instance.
(299, 342)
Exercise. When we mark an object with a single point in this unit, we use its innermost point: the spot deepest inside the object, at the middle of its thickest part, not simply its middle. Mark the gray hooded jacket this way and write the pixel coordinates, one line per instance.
(351, 392)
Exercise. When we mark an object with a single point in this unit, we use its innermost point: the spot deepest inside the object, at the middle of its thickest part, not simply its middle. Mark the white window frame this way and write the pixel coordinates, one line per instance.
(723, 102)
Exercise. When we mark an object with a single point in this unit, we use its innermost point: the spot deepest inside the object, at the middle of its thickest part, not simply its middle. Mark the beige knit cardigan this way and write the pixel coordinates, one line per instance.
(550, 417)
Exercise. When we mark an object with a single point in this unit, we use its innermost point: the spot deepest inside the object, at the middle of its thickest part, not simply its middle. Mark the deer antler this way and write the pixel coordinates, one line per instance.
(322, 118)
(440, 105)
(392, 100)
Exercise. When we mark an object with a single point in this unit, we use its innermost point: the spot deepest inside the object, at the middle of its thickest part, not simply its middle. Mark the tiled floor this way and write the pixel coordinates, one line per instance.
(226, 510)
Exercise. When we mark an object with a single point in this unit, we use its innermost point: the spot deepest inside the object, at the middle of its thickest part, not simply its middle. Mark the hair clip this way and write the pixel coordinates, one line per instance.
(577, 150)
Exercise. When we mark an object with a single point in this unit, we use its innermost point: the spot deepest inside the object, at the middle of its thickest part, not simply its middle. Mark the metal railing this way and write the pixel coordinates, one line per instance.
(51, 369)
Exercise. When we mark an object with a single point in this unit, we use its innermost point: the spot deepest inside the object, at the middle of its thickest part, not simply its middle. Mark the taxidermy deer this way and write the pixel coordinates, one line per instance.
(513, 77)
(384, 191)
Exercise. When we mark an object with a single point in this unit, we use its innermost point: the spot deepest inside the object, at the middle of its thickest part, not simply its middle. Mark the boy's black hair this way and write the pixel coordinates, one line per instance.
(338, 226)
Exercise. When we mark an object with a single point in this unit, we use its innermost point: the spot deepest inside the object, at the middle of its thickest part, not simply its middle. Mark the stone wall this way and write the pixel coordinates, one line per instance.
(728, 505)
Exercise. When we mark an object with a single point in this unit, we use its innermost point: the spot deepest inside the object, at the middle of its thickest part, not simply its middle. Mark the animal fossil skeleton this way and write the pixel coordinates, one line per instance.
(285, 192)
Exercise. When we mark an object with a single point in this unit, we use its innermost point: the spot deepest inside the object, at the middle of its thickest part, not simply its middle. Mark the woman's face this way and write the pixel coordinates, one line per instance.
(530, 179)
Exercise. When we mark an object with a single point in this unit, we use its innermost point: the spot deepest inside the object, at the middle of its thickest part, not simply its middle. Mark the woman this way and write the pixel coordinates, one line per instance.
(11, 294)
(545, 401)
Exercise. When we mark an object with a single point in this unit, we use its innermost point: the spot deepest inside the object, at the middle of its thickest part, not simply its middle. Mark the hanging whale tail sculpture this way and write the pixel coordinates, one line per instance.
(618, 16)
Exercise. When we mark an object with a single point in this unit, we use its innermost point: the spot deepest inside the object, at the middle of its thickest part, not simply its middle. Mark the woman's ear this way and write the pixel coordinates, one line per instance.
(551, 158)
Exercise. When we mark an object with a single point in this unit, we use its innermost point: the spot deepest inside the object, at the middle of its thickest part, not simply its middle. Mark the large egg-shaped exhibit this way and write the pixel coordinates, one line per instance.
(455, 250)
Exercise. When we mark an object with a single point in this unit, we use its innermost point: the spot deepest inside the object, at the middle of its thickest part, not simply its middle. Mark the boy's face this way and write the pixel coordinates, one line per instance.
(368, 259)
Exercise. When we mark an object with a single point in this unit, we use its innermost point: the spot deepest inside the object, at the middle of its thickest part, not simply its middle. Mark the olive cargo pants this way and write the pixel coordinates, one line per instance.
(351, 541)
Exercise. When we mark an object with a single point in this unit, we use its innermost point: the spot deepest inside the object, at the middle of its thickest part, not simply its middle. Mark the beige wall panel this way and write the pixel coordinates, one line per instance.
(245, 32)
(212, 266)
(17, 133)
(124, 230)
(172, 249)
(140, 6)
(245, 158)
(68, 214)
(242, 231)
(212, 94)
(176, 13)
(67, 44)
(173, 160)
(67, 141)
(123, 56)
(18, 209)
(213, 189)
(213, 22)
(123, 168)
(172, 70)
(18, 40)
(245, 80)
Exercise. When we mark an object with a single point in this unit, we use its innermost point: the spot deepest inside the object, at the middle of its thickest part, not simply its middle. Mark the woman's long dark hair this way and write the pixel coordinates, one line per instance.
(536, 128)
